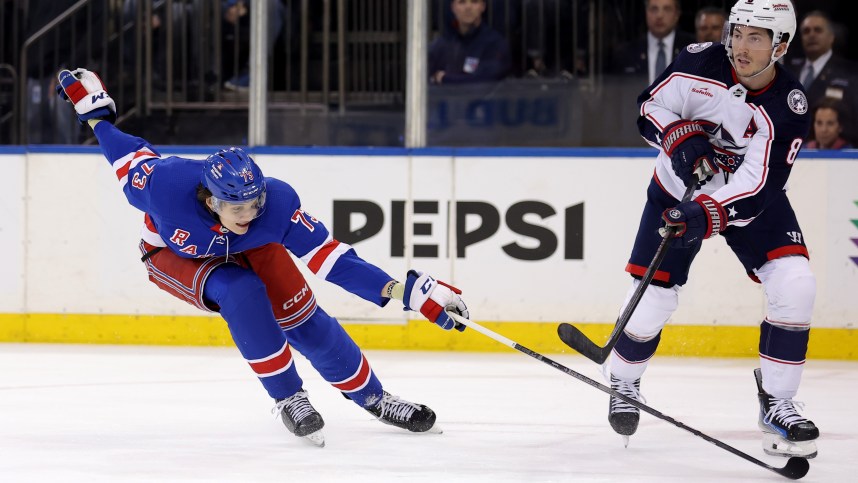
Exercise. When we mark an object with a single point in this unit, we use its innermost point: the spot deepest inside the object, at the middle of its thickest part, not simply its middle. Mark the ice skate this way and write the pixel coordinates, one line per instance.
(623, 416)
(785, 432)
(301, 418)
(410, 416)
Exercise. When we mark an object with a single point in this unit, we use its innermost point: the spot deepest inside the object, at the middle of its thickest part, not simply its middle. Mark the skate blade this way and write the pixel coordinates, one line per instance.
(315, 438)
(435, 430)
(775, 445)
(625, 441)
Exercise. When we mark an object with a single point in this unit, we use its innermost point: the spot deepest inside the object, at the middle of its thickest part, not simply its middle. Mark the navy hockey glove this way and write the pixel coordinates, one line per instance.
(85, 90)
(432, 297)
(689, 149)
(693, 221)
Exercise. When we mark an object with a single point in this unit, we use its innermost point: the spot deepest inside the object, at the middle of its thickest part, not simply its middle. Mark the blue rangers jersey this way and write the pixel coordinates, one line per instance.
(757, 135)
(165, 190)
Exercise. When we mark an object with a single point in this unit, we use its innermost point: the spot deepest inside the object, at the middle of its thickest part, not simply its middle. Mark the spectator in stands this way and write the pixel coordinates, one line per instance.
(236, 37)
(505, 16)
(469, 51)
(709, 23)
(651, 54)
(829, 119)
(184, 33)
(822, 72)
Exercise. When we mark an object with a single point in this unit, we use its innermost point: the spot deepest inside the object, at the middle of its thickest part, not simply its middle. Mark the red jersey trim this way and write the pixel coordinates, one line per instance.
(640, 271)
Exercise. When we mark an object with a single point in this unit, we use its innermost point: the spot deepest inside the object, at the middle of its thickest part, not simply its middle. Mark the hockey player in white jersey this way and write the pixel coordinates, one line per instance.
(731, 108)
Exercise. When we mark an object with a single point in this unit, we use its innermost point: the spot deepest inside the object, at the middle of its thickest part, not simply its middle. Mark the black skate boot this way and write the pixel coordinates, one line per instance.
(785, 432)
(623, 416)
(413, 417)
(301, 418)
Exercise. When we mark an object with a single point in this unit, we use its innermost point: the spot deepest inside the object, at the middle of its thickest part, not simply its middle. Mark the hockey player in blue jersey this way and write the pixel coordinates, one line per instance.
(216, 235)
(733, 110)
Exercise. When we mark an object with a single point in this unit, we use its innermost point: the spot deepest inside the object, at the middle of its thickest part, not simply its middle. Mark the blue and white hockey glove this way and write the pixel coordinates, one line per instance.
(689, 149)
(693, 221)
(85, 90)
(432, 297)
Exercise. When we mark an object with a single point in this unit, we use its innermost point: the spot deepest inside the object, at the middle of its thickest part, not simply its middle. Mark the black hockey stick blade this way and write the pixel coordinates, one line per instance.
(795, 468)
(574, 338)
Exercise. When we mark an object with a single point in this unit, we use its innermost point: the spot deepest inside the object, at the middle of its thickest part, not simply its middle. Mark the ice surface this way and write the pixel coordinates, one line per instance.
(128, 413)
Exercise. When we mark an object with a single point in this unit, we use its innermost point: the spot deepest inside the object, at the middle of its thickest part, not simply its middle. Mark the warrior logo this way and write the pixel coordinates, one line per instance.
(797, 101)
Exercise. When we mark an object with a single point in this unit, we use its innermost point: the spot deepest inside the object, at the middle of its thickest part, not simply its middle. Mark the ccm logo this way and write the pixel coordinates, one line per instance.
(296, 299)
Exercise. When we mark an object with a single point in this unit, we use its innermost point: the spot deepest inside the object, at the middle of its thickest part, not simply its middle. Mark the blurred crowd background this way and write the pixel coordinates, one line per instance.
(554, 73)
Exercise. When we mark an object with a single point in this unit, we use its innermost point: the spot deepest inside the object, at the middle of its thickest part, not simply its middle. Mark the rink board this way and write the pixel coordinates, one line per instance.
(543, 237)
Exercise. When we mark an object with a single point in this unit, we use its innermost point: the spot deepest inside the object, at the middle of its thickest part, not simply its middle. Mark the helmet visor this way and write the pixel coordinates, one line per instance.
(253, 207)
(738, 36)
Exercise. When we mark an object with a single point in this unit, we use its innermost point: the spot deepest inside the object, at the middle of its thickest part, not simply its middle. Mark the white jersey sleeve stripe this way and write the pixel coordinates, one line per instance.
(322, 259)
(128, 162)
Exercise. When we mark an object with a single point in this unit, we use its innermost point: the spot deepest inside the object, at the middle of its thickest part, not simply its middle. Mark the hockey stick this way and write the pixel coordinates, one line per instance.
(795, 467)
(574, 338)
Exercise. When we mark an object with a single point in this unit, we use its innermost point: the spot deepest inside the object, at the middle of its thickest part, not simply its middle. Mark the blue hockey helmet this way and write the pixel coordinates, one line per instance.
(233, 177)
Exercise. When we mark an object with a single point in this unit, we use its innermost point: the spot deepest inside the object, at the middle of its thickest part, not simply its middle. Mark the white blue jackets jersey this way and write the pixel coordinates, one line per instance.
(165, 189)
(757, 135)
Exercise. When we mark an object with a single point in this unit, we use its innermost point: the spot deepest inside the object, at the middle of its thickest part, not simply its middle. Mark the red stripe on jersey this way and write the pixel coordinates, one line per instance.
(76, 92)
(319, 258)
(687, 76)
(658, 182)
(123, 170)
(143, 152)
(649, 116)
(640, 271)
(781, 361)
(279, 360)
(787, 251)
(358, 380)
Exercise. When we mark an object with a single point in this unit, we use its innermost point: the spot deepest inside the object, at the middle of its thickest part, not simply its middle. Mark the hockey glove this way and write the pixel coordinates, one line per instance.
(432, 297)
(85, 90)
(693, 221)
(689, 149)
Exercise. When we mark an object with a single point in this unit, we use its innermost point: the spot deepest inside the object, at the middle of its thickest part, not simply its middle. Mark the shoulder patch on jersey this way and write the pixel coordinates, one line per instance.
(797, 101)
(695, 48)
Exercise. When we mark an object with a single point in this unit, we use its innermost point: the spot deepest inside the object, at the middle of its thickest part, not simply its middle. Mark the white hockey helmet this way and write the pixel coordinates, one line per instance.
(778, 16)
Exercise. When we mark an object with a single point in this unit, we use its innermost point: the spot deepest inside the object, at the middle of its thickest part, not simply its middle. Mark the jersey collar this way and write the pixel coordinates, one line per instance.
(758, 91)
